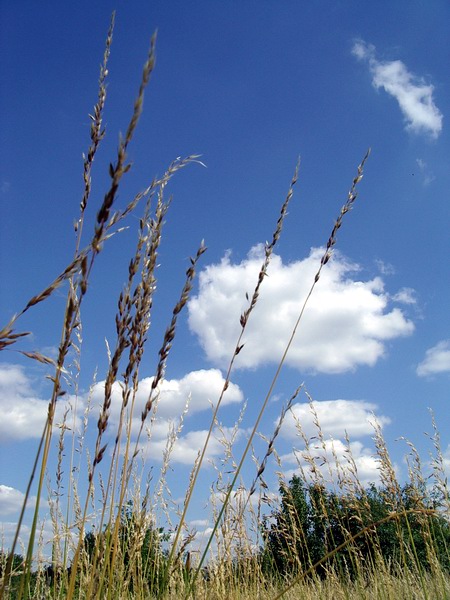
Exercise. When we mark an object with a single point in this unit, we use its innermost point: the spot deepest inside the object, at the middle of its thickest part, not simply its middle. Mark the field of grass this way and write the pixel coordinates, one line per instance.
(323, 536)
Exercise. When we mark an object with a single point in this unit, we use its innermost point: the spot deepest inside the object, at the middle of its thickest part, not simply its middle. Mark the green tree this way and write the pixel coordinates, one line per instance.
(312, 522)
(293, 534)
(142, 558)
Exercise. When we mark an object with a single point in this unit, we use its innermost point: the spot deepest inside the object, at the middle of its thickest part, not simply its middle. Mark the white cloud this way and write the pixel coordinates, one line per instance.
(332, 460)
(45, 535)
(405, 296)
(413, 95)
(5, 186)
(7, 533)
(346, 323)
(363, 51)
(427, 175)
(199, 523)
(336, 417)
(198, 390)
(446, 460)
(437, 360)
(201, 389)
(11, 500)
(385, 268)
(186, 447)
(22, 412)
(13, 377)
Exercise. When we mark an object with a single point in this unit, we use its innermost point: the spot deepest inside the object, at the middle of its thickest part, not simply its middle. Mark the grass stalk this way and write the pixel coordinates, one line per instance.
(324, 260)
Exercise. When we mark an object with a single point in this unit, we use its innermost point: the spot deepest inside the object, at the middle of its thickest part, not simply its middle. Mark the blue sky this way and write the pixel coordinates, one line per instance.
(250, 86)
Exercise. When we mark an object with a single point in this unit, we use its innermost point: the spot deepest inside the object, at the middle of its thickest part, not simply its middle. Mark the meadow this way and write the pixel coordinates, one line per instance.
(322, 534)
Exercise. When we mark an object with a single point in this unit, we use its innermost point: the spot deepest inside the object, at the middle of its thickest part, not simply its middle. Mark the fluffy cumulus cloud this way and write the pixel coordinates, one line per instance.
(414, 96)
(437, 360)
(335, 417)
(186, 447)
(346, 324)
(198, 390)
(10, 500)
(336, 420)
(334, 458)
(176, 400)
(22, 411)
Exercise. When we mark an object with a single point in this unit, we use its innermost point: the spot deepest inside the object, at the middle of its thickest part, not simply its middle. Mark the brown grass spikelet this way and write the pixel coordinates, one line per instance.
(352, 195)
(8, 337)
(96, 131)
(170, 331)
(117, 171)
(268, 250)
(45, 360)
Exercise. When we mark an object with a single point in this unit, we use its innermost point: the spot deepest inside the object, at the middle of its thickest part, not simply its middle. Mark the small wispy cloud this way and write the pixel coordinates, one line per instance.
(405, 296)
(385, 268)
(425, 172)
(414, 96)
(437, 360)
(5, 186)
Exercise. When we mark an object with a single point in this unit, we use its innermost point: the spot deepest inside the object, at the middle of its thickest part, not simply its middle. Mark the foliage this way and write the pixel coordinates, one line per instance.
(140, 555)
(312, 522)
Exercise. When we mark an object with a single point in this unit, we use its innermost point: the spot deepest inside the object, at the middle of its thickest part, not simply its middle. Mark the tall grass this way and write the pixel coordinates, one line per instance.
(124, 552)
